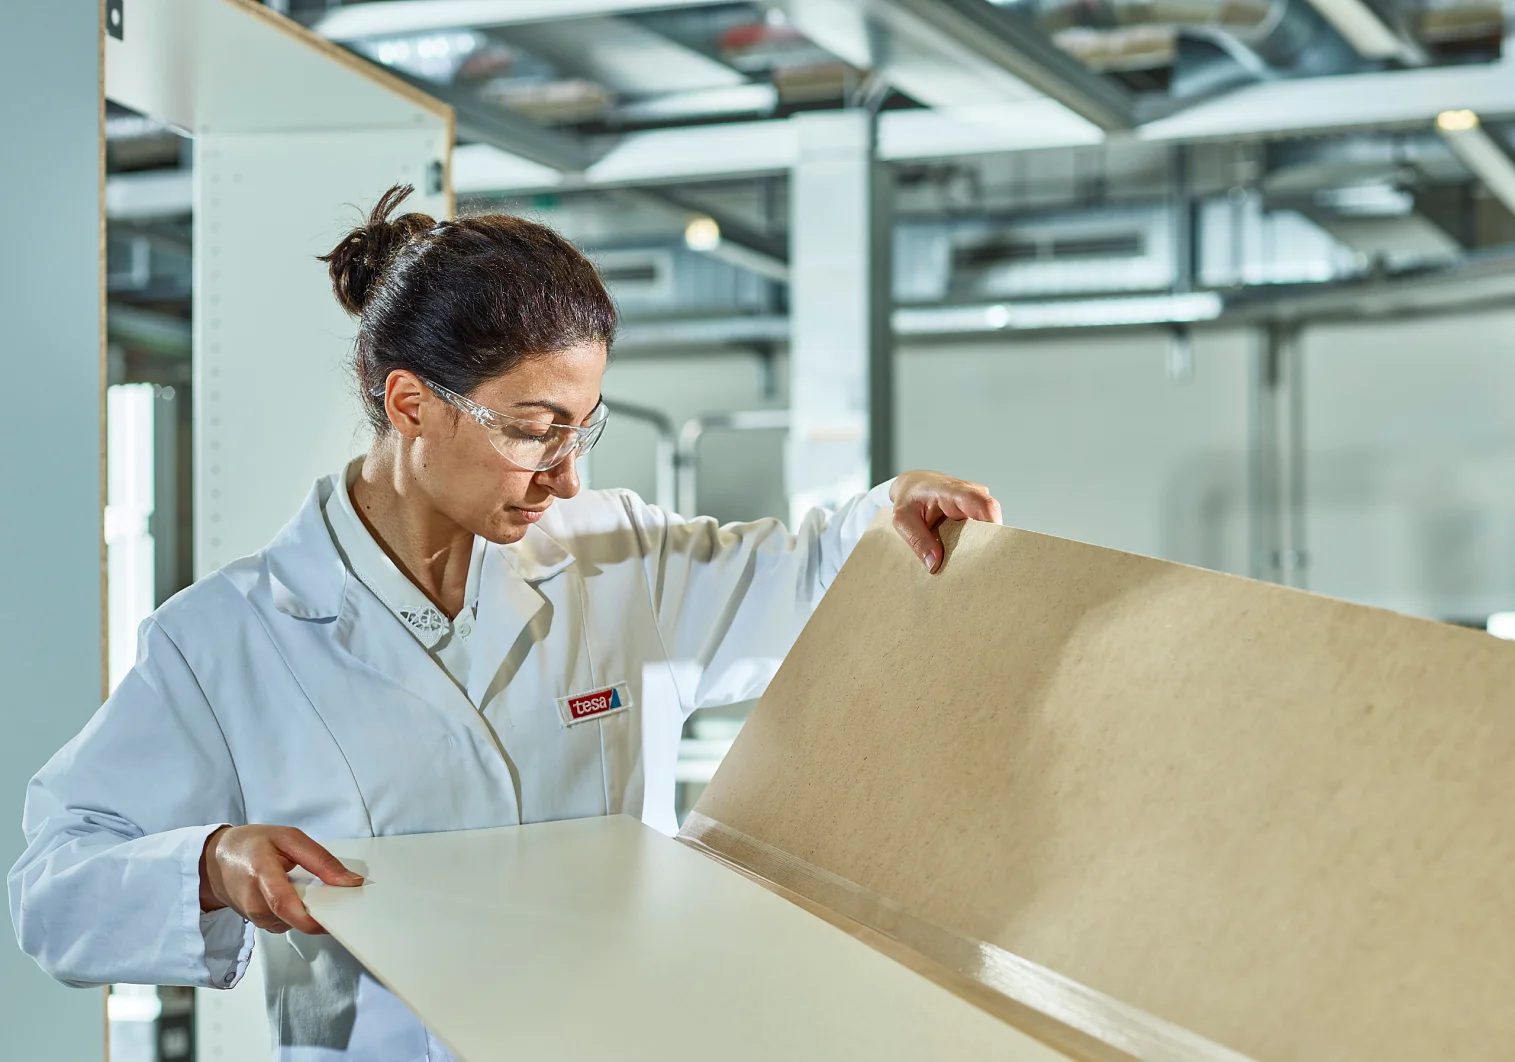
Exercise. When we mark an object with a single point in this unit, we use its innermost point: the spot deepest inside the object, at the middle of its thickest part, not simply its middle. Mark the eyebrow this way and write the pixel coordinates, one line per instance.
(553, 408)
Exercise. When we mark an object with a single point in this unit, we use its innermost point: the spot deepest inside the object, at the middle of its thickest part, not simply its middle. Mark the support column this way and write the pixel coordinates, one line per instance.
(52, 351)
(1276, 467)
(841, 370)
(1184, 229)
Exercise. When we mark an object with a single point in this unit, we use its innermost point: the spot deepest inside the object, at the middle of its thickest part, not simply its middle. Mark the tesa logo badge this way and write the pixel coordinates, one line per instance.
(586, 706)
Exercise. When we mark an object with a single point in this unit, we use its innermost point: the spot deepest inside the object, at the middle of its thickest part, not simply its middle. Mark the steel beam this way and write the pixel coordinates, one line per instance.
(497, 127)
(1015, 44)
(732, 230)
(1402, 99)
(388, 18)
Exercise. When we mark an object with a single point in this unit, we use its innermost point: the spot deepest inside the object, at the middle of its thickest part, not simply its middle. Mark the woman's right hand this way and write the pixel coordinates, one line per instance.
(247, 869)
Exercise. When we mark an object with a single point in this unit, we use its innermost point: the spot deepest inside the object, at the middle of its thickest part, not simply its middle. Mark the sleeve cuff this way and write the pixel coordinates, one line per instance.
(219, 942)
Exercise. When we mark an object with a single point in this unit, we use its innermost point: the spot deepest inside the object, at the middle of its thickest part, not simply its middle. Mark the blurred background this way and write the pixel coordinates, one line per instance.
(1228, 282)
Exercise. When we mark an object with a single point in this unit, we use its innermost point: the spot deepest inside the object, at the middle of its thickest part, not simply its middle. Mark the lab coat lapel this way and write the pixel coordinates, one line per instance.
(514, 615)
(371, 634)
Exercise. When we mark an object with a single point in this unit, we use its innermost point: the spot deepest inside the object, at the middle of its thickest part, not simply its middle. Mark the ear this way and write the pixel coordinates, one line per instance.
(404, 397)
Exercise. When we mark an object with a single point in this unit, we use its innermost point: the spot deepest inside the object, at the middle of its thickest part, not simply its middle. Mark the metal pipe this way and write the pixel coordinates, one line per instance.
(664, 496)
(687, 454)
(1276, 457)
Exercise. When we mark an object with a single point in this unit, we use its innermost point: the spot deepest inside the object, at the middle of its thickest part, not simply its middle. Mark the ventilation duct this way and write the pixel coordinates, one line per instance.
(1195, 47)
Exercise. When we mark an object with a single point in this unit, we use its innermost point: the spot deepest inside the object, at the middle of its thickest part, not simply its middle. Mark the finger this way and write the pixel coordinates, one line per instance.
(285, 904)
(300, 850)
(259, 915)
(918, 535)
(972, 502)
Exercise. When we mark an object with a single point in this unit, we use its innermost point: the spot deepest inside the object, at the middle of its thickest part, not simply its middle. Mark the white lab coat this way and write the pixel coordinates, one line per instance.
(281, 690)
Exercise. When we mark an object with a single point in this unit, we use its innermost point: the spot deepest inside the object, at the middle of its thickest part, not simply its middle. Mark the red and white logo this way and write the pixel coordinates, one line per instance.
(584, 706)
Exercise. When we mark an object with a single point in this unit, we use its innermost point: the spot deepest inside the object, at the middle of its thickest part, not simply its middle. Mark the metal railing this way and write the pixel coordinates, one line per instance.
(664, 486)
(687, 455)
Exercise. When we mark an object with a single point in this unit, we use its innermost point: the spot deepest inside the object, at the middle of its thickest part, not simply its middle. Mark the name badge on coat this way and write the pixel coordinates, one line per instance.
(582, 707)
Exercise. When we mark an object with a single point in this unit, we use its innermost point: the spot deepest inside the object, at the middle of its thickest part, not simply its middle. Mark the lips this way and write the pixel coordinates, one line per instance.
(531, 516)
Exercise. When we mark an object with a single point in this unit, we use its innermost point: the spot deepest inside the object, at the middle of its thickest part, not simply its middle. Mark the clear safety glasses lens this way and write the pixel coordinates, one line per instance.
(538, 448)
(525, 444)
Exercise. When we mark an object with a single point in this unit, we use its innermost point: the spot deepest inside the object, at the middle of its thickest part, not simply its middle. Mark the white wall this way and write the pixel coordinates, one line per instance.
(50, 504)
(742, 473)
(1410, 430)
(1411, 437)
(1086, 437)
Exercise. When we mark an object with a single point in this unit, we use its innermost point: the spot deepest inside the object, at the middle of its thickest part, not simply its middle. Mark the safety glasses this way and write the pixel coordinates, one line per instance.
(527, 444)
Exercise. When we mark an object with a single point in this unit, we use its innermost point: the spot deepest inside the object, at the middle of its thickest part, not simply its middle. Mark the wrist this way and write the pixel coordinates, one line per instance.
(210, 876)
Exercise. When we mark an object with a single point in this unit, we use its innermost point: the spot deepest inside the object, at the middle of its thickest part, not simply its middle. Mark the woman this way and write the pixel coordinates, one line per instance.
(448, 635)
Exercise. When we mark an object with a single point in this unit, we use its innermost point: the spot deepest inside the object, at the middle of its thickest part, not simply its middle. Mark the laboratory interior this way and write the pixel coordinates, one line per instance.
(1226, 283)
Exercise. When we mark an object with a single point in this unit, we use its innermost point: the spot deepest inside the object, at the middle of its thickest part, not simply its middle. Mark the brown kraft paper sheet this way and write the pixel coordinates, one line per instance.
(1282, 822)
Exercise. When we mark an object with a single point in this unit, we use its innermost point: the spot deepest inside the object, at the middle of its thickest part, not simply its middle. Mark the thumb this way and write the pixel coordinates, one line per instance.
(918, 535)
(304, 852)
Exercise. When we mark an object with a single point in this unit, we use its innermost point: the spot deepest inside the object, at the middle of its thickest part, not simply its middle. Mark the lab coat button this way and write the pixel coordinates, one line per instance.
(465, 629)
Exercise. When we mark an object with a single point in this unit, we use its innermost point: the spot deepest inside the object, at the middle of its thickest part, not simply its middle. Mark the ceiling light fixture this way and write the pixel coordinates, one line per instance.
(1185, 308)
(703, 235)
(1471, 143)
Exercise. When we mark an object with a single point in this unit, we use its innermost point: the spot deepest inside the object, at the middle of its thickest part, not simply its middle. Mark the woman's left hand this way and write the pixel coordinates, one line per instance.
(922, 500)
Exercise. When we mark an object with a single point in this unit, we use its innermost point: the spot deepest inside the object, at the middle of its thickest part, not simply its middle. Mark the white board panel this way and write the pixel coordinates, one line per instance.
(275, 403)
(235, 66)
(601, 939)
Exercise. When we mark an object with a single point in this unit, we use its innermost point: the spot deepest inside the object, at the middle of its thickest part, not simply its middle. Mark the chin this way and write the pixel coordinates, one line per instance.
(505, 532)
(508, 525)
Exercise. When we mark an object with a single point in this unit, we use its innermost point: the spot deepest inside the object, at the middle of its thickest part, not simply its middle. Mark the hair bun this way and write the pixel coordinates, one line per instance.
(357, 263)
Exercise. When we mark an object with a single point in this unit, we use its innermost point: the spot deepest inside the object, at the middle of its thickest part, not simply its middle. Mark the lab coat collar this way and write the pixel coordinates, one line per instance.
(306, 575)
(537, 556)
(309, 580)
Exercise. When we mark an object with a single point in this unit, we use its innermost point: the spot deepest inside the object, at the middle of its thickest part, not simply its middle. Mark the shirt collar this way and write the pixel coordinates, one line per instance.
(377, 571)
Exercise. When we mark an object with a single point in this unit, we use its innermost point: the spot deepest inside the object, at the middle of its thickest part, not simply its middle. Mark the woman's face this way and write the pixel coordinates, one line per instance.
(452, 461)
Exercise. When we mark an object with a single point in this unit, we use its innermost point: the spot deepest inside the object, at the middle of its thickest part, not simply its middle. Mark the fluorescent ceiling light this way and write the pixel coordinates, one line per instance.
(1374, 199)
(755, 98)
(1365, 31)
(1066, 313)
(382, 18)
(1465, 135)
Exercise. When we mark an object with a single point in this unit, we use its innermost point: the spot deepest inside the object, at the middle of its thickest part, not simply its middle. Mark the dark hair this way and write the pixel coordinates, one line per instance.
(460, 302)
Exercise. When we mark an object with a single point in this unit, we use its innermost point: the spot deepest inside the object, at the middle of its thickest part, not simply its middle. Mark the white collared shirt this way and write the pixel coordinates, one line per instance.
(448, 641)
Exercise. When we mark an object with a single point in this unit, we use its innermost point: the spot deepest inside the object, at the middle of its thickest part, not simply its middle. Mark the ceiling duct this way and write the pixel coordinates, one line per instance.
(1084, 252)
(960, 53)
(1363, 192)
(1195, 47)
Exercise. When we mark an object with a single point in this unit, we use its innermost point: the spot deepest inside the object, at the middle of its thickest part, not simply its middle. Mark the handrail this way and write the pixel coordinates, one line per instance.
(664, 486)
(686, 456)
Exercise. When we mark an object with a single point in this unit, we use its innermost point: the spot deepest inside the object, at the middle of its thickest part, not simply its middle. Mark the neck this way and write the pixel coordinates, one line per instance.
(432, 550)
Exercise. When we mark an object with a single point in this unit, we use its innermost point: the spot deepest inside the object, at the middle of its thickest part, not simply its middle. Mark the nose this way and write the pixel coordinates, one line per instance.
(562, 479)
